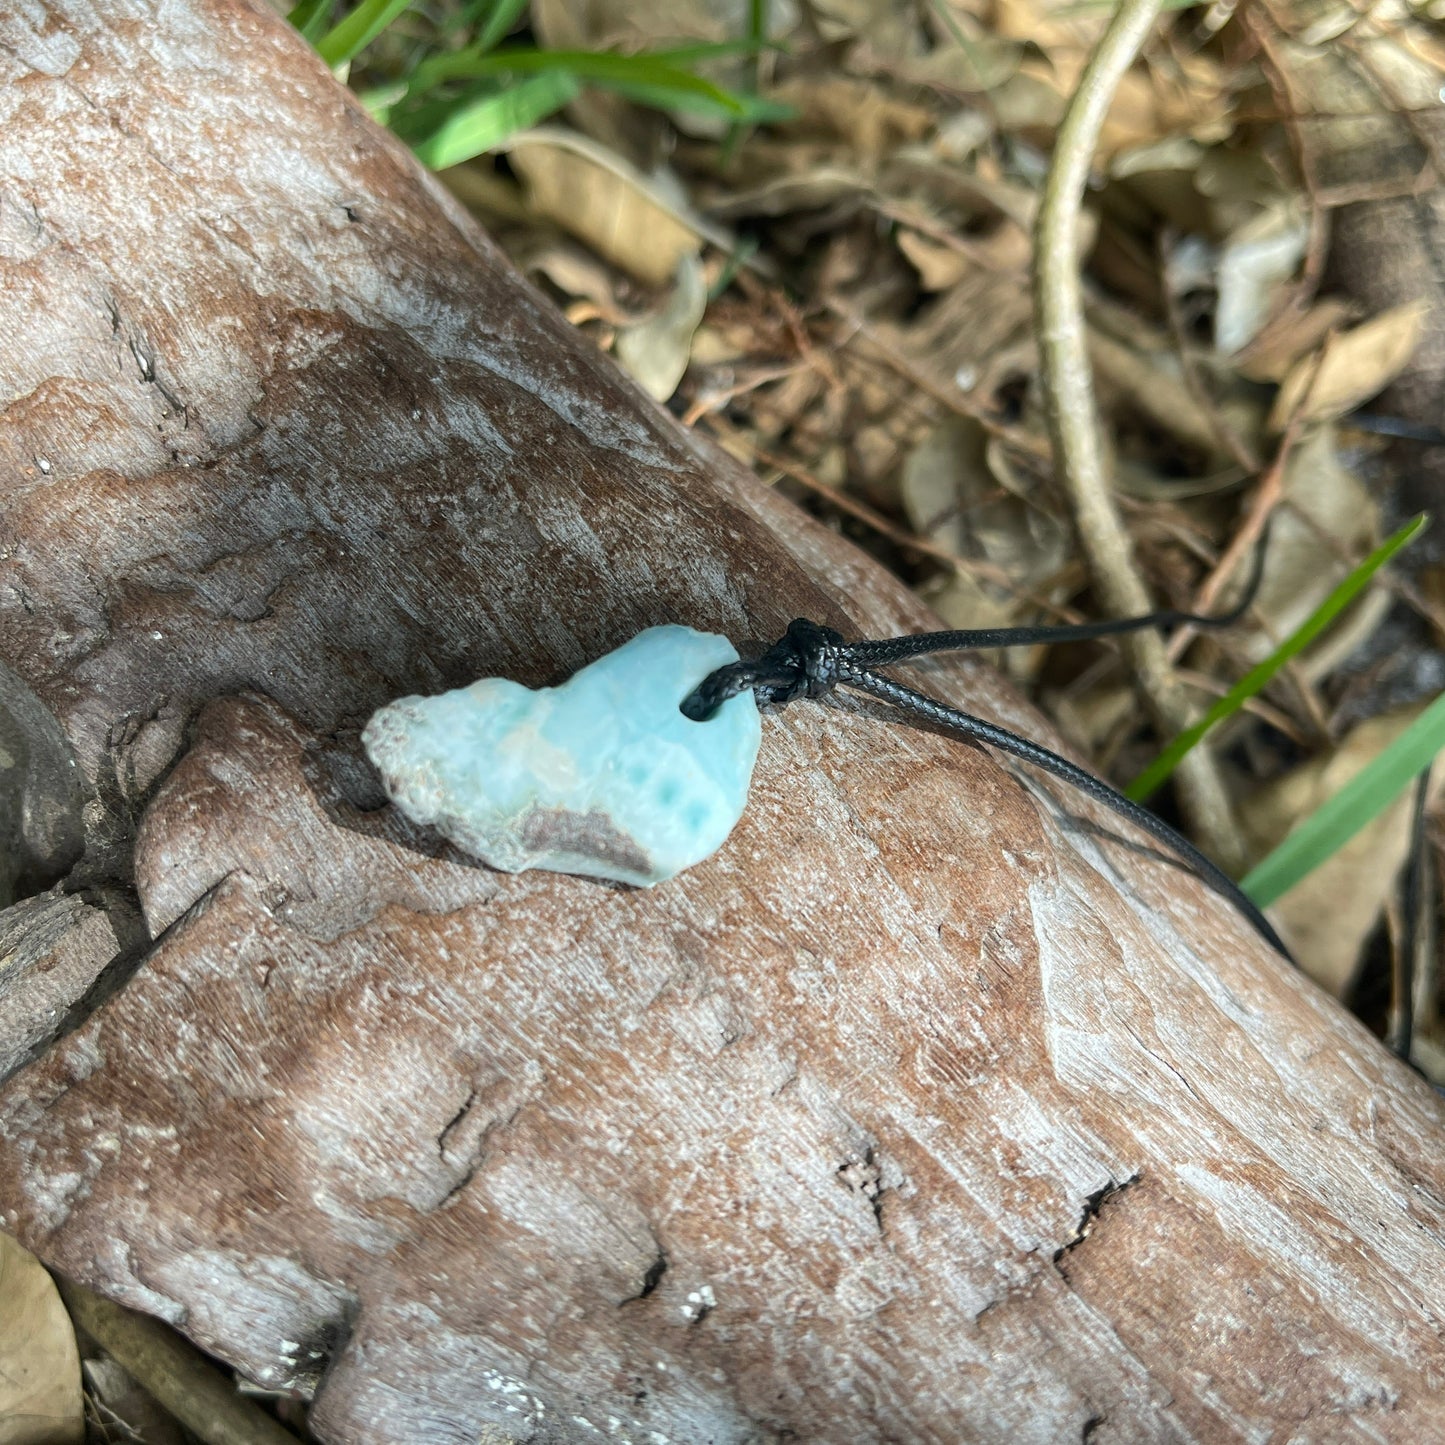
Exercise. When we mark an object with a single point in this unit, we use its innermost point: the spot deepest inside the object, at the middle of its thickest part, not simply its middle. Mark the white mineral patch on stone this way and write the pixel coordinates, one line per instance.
(602, 776)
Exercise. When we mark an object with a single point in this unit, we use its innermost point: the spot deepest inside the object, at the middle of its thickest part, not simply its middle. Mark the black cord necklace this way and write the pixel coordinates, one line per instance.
(811, 660)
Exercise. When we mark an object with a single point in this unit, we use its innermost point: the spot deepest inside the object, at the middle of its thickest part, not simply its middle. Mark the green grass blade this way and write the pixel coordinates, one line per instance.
(473, 129)
(504, 15)
(744, 109)
(596, 67)
(311, 17)
(381, 100)
(1360, 801)
(747, 247)
(1257, 678)
(352, 35)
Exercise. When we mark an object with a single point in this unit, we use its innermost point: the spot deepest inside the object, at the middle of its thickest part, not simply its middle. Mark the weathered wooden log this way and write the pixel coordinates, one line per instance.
(934, 1107)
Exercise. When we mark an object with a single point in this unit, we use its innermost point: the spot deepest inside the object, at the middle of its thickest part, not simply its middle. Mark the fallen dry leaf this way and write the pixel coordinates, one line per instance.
(604, 201)
(1355, 366)
(1255, 263)
(1290, 336)
(955, 494)
(577, 273)
(1149, 378)
(939, 265)
(1330, 516)
(40, 1399)
(803, 190)
(1363, 85)
(656, 351)
(1165, 95)
(868, 120)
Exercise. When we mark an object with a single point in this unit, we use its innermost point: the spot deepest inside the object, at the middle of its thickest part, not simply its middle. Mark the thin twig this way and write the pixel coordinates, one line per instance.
(173, 1371)
(1074, 425)
(1407, 918)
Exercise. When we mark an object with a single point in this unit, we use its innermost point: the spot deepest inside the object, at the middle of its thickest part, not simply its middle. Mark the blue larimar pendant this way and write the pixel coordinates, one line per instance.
(602, 776)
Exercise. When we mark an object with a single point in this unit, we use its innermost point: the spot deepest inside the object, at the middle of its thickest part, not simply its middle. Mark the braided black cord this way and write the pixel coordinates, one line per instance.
(802, 663)
(897, 649)
(810, 660)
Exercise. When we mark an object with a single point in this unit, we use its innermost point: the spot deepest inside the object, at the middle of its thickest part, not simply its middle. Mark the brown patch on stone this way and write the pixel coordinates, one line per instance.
(584, 835)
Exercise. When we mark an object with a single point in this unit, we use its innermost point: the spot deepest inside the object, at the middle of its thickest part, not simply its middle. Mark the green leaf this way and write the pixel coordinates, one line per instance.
(1360, 801)
(1257, 678)
(381, 100)
(746, 248)
(473, 129)
(311, 17)
(353, 34)
(741, 108)
(505, 14)
(596, 67)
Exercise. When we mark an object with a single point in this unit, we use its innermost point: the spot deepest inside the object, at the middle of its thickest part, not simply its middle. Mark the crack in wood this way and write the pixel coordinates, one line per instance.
(1093, 1207)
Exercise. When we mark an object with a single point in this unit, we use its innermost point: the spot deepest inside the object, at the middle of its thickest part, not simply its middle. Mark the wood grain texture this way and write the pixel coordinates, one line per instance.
(54, 949)
(930, 1109)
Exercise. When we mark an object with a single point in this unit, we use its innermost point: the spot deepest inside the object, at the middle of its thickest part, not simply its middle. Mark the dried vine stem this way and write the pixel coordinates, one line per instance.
(1074, 425)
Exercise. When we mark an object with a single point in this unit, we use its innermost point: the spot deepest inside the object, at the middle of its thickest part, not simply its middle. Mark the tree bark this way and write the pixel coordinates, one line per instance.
(934, 1107)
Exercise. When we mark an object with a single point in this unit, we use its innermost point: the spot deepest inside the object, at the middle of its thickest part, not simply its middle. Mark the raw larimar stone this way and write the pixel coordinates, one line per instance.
(602, 775)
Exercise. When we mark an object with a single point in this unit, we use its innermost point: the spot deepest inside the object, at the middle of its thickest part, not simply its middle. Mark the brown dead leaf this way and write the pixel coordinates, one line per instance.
(982, 68)
(939, 266)
(1328, 915)
(804, 190)
(40, 1399)
(1290, 336)
(492, 198)
(1028, 103)
(1256, 263)
(1330, 516)
(637, 222)
(963, 601)
(976, 336)
(1165, 95)
(860, 113)
(656, 350)
(1355, 366)
(957, 493)
(1092, 717)
(577, 273)
(884, 28)
(1363, 87)
(1151, 381)
(1056, 27)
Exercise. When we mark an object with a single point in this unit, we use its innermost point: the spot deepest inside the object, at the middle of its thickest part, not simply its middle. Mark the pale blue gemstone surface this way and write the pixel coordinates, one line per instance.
(601, 776)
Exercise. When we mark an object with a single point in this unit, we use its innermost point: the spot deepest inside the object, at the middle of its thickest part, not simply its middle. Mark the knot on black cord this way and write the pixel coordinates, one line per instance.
(804, 662)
